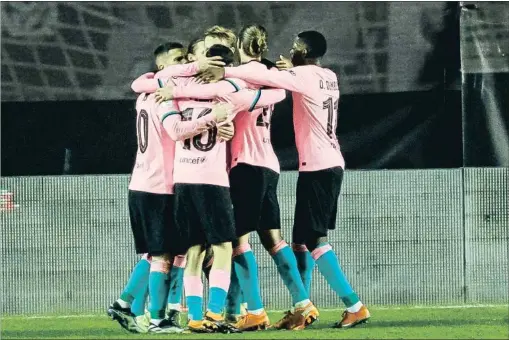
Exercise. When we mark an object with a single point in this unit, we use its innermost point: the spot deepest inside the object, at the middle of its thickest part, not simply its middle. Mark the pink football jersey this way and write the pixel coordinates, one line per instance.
(153, 167)
(251, 143)
(315, 95)
(202, 158)
(150, 82)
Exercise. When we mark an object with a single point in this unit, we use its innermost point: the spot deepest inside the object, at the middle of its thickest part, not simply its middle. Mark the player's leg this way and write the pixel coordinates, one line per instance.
(270, 236)
(193, 286)
(176, 287)
(218, 222)
(159, 226)
(302, 218)
(323, 190)
(158, 288)
(246, 191)
(120, 310)
(305, 264)
(190, 230)
(219, 279)
(135, 287)
(269, 231)
(233, 299)
(138, 308)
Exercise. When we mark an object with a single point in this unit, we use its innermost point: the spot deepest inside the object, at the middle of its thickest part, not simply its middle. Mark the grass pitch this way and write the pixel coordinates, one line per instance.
(388, 323)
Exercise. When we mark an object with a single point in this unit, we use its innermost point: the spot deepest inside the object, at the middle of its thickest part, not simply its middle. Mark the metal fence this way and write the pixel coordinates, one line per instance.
(413, 237)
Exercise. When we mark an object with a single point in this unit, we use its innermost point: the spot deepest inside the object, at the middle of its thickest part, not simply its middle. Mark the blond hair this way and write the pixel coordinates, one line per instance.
(254, 40)
(222, 33)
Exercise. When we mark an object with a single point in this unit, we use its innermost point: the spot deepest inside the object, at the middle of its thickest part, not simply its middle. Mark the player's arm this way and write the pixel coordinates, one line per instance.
(207, 91)
(150, 82)
(180, 130)
(290, 80)
(145, 83)
(249, 100)
(198, 91)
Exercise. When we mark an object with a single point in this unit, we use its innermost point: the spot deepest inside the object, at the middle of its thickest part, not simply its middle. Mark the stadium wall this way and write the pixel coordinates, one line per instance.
(410, 237)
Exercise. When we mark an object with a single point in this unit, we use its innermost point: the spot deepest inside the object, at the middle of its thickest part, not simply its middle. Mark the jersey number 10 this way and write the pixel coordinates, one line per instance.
(187, 115)
(142, 131)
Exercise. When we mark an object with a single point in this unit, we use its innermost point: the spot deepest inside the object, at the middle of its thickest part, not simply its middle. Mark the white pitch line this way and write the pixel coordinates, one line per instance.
(273, 311)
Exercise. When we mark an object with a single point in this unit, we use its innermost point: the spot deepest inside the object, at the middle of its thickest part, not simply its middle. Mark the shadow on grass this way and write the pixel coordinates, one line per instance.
(324, 326)
(374, 323)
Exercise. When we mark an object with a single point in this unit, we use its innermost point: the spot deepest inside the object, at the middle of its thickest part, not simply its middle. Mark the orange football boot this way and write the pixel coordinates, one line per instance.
(202, 326)
(299, 318)
(253, 322)
(350, 320)
(221, 325)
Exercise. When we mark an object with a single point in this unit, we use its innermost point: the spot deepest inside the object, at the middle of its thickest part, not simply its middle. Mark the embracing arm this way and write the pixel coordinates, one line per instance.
(206, 91)
(248, 100)
(179, 130)
(288, 80)
(150, 82)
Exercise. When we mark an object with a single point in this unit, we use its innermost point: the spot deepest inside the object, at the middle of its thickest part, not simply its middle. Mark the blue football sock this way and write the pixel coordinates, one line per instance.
(158, 291)
(219, 281)
(137, 281)
(247, 272)
(234, 297)
(138, 305)
(328, 264)
(176, 285)
(287, 267)
(306, 264)
(194, 297)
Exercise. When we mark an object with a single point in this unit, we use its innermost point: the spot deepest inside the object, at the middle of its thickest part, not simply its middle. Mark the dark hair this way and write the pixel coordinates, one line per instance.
(269, 64)
(192, 45)
(167, 47)
(316, 43)
(254, 40)
(223, 52)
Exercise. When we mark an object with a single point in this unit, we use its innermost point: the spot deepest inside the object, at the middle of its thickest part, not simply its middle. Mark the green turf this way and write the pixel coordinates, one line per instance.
(421, 323)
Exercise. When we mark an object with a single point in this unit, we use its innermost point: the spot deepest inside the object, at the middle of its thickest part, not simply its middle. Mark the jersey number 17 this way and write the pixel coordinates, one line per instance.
(332, 116)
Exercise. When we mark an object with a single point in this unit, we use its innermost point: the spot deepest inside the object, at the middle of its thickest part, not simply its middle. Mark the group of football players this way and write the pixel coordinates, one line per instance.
(206, 176)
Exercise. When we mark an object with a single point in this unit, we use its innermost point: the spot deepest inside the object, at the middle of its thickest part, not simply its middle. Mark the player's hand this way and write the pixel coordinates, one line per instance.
(284, 63)
(210, 63)
(225, 132)
(165, 93)
(222, 111)
(212, 75)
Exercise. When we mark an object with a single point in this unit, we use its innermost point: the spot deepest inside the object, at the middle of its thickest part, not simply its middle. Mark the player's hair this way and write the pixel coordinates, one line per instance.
(316, 43)
(192, 45)
(254, 40)
(167, 47)
(223, 52)
(269, 64)
(222, 33)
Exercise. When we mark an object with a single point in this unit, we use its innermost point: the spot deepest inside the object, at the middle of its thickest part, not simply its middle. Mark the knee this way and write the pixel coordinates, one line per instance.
(161, 264)
(195, 257)
(223, 249)
(179, 261)
(314, 241)
(241, 249)
(270, 238)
